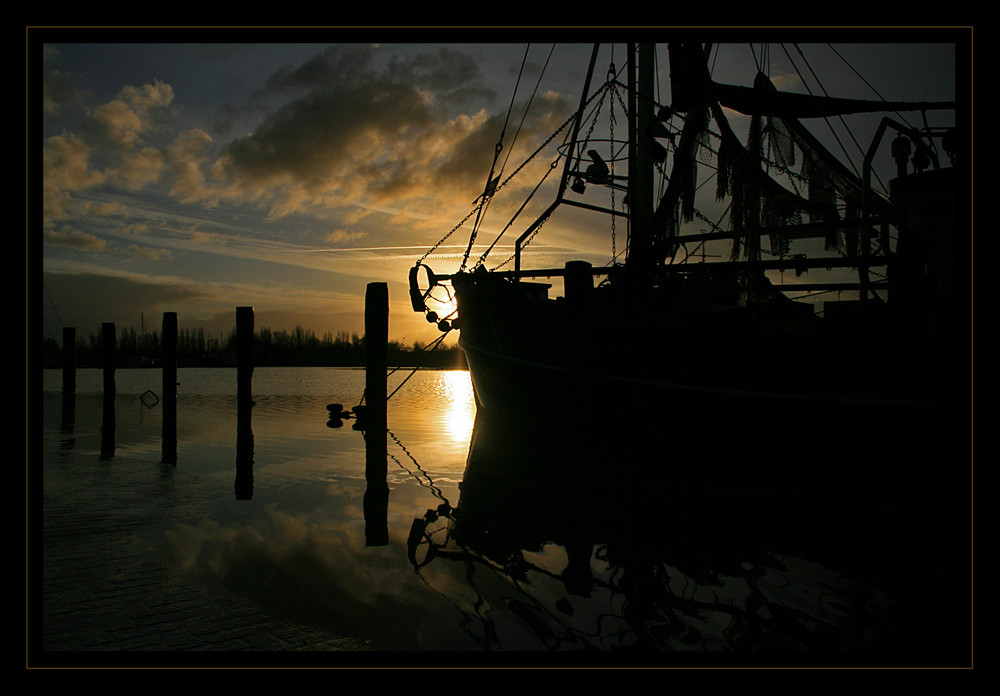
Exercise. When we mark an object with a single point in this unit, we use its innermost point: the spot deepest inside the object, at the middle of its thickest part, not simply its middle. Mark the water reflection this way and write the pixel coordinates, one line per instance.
(244, 450)
(563, 540)
(459, 414)
(566, 547)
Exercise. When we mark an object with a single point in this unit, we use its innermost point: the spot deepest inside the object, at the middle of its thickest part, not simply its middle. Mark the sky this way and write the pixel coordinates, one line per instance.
(195, 176)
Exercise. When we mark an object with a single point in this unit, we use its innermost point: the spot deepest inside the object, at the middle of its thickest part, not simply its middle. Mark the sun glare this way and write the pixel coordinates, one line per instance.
(460, 415)
(443, 304)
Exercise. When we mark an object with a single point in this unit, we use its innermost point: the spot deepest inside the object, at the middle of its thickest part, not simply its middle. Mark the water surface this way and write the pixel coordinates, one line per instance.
(497, 538)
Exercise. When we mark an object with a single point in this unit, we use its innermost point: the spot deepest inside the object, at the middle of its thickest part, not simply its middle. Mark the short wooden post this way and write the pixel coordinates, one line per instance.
(168, 344)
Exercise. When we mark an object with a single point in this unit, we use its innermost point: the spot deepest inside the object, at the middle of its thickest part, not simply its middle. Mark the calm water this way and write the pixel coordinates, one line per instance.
(511, 540)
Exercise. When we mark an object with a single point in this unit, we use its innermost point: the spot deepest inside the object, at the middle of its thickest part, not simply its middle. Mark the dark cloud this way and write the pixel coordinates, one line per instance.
(341, 64)
(312, 136)
(358, 125)
(87, 300)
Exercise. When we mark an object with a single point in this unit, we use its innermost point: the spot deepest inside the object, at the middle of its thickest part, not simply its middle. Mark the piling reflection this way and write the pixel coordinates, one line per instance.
(169, 430)
(169, 380)
(108, 423)
(568, 548)
(244, 450)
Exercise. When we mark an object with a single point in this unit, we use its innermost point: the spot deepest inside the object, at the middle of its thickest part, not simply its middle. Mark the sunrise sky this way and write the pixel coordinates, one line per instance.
(196, 174)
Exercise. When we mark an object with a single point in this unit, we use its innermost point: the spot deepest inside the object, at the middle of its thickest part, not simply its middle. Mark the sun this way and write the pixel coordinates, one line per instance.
(443, 304)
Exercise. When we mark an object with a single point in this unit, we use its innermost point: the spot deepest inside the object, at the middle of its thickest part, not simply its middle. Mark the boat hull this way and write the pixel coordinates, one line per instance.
(530, 365)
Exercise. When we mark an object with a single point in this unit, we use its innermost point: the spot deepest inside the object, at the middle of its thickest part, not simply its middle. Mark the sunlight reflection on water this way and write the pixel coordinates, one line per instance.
(434, 411)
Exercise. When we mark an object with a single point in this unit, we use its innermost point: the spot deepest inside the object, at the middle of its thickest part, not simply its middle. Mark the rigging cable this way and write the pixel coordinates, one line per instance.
(54, 307)
(527, 107)
(572, 117)
(433, 346)
(510, 150)
(827, 120)
(490, 185)
(867, 84)
(898, 115)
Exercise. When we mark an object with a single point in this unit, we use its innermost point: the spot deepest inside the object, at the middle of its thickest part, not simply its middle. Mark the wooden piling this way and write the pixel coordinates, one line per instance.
(376, 509)
(376, 358)
(244, 354)
(68, 378)
(243, 485)
(69, 360)
(168, 344)
(244, 403)
(108, 340)
(168, 355)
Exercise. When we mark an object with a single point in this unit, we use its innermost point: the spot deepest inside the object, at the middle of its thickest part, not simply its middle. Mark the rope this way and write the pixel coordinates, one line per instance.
(487, 193)
(433, 346)
(430, 483)
(430, 348)
(527, 107)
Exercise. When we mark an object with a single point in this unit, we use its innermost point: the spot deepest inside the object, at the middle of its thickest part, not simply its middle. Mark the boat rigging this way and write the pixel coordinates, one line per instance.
(668, 320)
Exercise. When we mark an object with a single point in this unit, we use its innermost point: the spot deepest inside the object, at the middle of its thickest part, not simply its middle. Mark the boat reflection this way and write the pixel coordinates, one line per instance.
(567, 548)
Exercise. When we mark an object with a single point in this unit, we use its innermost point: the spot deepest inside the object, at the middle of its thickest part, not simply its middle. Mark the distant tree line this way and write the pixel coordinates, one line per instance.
(272, 348)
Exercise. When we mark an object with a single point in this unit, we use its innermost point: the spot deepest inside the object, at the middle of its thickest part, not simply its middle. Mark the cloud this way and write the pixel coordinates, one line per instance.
(123, 122)
(65, 162)
(339, 236)
(355, 127)
(86, 299)
(73, 238)
(359, 134)
(57, 93)
(109, 149)
(186, 159)
(138, 169)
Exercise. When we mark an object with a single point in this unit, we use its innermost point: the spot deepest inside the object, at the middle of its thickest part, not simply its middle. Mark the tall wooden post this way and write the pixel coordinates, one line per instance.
(244, 405)
(169, 359)
(376, 358)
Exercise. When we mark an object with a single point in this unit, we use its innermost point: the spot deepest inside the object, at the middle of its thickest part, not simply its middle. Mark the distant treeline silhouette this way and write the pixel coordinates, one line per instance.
(272, 348)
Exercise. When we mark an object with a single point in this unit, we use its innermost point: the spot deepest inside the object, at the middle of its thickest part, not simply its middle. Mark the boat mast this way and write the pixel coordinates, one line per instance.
(566, 170)
(640, 164)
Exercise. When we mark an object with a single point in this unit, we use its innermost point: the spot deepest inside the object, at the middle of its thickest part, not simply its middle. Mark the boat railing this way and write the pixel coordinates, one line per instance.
(798, 264)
